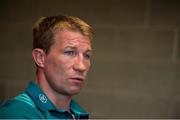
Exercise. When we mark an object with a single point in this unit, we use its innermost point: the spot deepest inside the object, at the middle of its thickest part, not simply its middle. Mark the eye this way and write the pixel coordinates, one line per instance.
(70, 53)
(87, 56)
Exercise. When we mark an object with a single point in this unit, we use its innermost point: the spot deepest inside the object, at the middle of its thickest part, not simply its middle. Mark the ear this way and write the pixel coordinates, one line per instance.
(39, 57)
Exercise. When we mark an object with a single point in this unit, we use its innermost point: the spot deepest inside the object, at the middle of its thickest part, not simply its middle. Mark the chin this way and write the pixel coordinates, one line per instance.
(75, 91)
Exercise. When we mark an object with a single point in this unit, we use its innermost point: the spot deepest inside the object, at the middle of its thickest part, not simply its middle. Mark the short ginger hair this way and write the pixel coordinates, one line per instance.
(45, 28)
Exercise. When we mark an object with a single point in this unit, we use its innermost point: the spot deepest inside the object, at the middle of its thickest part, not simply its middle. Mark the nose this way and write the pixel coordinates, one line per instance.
(80, 65)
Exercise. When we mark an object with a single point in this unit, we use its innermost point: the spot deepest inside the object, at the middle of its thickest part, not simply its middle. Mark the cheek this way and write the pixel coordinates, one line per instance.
(88, 65)
(63, 66)
(54, 65)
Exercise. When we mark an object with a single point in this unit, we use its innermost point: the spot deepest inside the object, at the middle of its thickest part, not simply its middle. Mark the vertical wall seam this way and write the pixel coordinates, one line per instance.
(147, 13)
(175, 45)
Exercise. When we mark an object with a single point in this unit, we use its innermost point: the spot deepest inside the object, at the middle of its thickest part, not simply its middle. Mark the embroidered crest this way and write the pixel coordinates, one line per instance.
(43, 98)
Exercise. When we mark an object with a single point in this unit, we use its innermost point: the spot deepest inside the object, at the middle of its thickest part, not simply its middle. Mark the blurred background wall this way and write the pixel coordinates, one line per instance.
(136, 62)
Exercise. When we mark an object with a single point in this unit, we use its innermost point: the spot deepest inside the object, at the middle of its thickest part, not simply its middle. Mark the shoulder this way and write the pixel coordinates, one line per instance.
(18, 109)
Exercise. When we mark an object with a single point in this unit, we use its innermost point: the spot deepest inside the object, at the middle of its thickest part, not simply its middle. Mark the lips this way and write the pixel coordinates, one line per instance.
(77, 79)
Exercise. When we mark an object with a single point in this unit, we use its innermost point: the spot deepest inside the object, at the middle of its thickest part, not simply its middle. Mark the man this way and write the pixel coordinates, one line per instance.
(61, 51)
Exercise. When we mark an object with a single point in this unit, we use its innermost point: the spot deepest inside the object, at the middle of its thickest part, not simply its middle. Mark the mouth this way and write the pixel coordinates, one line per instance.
(77, 79)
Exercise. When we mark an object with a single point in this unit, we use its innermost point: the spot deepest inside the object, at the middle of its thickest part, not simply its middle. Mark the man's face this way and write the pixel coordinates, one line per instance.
(68, 61)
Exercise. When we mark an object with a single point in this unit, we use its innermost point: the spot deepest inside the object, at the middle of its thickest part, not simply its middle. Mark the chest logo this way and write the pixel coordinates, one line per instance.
(43, 98)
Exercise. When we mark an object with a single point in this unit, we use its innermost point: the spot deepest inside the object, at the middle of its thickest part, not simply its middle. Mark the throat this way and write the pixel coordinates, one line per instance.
(62, 103)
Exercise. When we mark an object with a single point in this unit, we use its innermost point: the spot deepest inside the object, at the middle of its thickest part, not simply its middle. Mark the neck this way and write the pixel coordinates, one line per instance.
(59, 100)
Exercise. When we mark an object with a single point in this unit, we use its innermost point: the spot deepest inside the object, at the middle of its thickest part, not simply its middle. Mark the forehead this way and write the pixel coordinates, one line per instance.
(71, 38)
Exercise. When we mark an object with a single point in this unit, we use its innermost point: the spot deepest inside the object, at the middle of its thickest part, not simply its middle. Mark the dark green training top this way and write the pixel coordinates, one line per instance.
(34, 104)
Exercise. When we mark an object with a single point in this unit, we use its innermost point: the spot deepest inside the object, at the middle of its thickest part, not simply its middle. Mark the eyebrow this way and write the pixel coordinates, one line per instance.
(72, 47)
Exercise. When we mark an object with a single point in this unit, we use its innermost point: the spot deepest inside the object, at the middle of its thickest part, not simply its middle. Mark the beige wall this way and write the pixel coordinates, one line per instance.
(136, 67)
